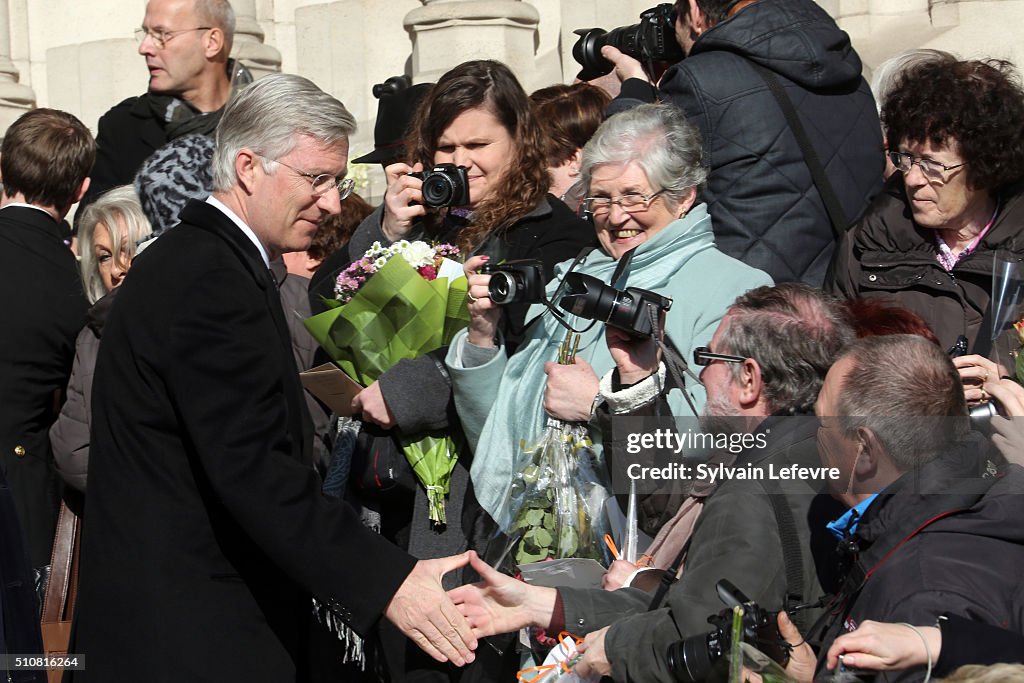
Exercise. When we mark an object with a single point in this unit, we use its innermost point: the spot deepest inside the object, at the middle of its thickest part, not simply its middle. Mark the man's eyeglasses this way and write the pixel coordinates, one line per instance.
(160, 37)
(933, 170)
(323, 182)
(703, 355)
(632, 202)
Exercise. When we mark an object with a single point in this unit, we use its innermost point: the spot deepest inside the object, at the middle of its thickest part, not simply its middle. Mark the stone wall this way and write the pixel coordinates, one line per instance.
(81, 56)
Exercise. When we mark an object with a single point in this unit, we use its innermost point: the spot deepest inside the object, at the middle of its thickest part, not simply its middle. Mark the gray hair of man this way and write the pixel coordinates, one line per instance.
(268, 117)
(120, 211)
(889, 72)
(907, 392)
(219, 14)
(794, 332)
(659, 139)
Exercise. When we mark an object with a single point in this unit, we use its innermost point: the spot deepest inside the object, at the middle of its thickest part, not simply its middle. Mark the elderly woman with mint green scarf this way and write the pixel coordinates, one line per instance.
(643, 170)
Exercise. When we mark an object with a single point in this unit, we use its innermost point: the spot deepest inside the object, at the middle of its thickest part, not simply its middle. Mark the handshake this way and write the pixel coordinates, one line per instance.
(448, 626)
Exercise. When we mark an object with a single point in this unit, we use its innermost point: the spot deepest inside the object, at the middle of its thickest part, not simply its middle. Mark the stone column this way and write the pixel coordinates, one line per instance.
(448, 32)
(249, 48)
(15, 98)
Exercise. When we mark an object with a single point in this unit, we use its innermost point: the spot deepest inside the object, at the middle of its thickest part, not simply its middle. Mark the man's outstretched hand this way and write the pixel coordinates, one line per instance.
(422, 611)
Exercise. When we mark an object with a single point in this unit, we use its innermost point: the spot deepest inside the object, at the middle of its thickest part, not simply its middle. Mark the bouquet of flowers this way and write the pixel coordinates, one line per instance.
(398, 302)
(555, 506)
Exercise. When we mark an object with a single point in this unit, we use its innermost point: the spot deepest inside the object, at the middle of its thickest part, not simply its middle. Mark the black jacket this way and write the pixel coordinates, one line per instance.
(766, 210)
(45, 309)
(206, 532)
(126, 135)
(887, 254)
(939, 540)
(737, 537)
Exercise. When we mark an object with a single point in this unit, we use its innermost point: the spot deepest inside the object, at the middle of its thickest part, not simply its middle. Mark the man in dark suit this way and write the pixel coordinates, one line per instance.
(45, 164)
(206, 533)
(185, 44)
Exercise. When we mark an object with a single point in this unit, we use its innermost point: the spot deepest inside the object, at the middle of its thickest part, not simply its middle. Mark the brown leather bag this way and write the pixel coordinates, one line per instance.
(62, 590)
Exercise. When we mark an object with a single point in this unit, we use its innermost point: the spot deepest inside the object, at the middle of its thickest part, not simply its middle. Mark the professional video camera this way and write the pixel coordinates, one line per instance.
(444, 185)
(653, 41)
(691, 659)
(629, 309)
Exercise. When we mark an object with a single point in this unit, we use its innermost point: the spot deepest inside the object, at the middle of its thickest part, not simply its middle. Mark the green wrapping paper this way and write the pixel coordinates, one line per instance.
(395, 315)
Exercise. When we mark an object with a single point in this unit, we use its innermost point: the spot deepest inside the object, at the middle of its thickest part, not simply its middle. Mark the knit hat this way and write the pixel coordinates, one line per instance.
(175, 173)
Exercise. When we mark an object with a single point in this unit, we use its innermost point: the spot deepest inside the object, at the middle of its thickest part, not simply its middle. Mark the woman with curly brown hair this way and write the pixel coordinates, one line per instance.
(929, 240)
(478, 117)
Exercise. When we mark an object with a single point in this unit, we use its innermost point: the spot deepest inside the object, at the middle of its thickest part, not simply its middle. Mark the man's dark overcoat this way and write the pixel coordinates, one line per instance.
(44, 309)
(206, 532)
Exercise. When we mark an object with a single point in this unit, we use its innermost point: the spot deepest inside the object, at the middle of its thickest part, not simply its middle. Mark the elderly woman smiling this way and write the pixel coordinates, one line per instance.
(929, 240)
(642, 169)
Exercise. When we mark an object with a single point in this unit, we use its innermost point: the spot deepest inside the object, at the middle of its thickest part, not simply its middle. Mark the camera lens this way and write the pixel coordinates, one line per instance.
(587, 53)
(502, 288)
(437, 190)
(690, 660)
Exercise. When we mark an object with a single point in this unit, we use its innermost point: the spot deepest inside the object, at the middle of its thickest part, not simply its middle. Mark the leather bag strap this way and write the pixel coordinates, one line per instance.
(58, 605)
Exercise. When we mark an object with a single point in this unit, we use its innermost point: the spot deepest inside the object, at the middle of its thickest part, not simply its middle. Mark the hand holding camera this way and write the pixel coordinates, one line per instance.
(484, 314)
(412, 190)
(403, 201)
(635, 357)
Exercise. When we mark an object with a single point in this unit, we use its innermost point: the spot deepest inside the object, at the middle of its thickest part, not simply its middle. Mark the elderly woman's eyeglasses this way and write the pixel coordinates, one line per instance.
(322, 182)
(933, 170)
(160, 37)
(703, 355)
(631, 202)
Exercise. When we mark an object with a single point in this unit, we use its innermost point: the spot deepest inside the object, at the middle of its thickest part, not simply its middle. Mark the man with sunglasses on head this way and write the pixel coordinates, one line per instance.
(186, 44)
(766, 204)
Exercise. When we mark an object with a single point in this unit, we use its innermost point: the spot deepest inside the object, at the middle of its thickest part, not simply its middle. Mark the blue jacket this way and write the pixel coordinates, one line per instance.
(680, 261)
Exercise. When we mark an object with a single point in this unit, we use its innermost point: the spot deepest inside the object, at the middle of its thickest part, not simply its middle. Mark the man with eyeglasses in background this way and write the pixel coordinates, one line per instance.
(762, 372)
(186, 44)
(207, 532)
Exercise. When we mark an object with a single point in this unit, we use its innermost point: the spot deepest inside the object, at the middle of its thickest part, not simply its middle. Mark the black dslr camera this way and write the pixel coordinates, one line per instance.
(589, 298)
(515, 281)
(444, 185)
(653, 40)
(692, 659)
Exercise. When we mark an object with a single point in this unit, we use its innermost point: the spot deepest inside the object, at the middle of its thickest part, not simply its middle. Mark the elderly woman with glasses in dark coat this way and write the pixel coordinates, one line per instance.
(931, 238)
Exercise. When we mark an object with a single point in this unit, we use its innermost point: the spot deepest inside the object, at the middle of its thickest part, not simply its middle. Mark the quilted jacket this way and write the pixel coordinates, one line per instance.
(765, 208)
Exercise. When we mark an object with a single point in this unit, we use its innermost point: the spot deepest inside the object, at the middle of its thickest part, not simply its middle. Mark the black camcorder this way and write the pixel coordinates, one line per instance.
(692, 659)
(515, 281)
(444, 185)
(652, 40)
(628, 309)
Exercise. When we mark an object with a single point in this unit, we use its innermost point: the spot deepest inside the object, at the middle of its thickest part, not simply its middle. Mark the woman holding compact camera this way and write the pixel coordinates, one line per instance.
(642, 169)
(490, 201)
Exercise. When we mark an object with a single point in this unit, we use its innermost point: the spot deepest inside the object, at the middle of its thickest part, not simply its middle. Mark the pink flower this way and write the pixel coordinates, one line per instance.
(428, 272)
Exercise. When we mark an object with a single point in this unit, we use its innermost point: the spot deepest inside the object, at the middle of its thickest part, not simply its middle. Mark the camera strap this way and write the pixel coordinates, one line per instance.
(836, 216)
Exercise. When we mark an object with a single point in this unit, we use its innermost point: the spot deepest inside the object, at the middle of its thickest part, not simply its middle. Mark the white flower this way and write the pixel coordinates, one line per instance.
(379, 263)
(418, 254)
